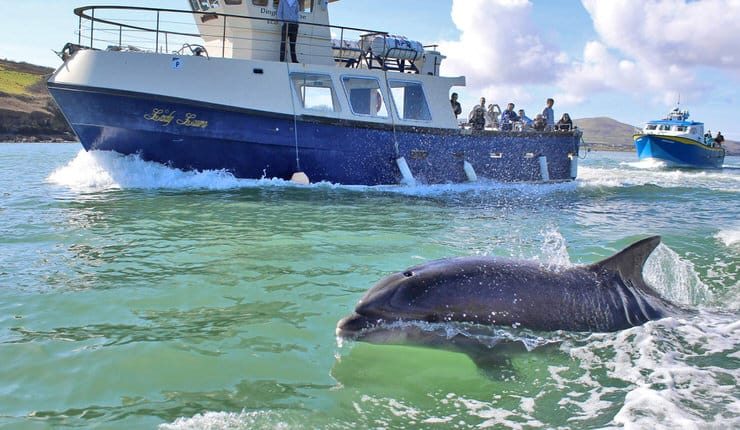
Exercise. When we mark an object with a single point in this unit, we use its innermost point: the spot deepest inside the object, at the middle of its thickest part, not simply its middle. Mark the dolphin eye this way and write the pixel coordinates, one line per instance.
(408, 274)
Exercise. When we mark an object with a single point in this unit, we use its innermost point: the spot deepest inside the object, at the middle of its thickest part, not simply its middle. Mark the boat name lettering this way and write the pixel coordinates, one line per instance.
(165, 117)
(191, 121)
(160, 115)
(268, 11)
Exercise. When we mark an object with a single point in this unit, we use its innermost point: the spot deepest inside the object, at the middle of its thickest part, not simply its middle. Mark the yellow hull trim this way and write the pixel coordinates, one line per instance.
(681, 140)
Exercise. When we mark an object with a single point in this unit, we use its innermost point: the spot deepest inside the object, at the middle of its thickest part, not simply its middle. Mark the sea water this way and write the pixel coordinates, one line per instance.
(133, 295)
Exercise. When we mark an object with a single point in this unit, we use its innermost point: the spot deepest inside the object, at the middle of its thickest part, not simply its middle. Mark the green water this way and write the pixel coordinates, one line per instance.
(136, 296)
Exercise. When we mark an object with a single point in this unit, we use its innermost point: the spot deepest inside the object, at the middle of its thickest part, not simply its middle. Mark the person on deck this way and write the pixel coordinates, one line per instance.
(288, 11)
(565, 123)
(525, 120)
(477, 117)
(456, 108)
(549, 114)
(719, 139)
(508, 117)
(540, 123)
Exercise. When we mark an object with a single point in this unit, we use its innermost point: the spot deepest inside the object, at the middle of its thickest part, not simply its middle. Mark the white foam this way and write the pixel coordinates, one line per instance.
(674, 379)
(674, 278)
(228, 421)
(729, 236)
(628, 175)
(555, 248)
(106, 170)
(648, 163)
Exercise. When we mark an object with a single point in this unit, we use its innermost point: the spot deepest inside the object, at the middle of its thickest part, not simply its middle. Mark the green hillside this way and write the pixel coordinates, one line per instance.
(606, 134)
(14, 82)
(27, 111)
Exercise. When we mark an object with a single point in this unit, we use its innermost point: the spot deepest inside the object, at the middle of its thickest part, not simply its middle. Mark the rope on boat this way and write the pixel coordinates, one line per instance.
(295, 120)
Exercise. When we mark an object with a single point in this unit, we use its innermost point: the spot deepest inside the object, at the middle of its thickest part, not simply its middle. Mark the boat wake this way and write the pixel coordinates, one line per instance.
(97, 171)
(648, 163)
(730, 236)
(626, 176)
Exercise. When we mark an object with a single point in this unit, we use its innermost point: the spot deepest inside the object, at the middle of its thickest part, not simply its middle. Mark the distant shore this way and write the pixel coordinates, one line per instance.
(44, 138)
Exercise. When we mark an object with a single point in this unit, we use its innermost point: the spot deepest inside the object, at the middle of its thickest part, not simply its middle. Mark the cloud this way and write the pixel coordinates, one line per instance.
(499, 48)
(671, 32)
(655, 48)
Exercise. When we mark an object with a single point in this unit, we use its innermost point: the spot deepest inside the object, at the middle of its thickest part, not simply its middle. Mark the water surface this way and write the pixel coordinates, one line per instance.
(137, 296)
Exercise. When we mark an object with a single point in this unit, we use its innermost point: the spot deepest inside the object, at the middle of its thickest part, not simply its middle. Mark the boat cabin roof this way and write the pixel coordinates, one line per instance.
(675, 122)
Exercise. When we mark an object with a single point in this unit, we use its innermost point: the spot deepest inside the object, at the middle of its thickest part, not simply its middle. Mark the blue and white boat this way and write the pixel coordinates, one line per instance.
(679, 142)
(360, 106)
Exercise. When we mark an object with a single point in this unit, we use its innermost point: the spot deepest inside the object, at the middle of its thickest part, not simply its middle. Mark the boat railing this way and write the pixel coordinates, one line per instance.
(160, 30)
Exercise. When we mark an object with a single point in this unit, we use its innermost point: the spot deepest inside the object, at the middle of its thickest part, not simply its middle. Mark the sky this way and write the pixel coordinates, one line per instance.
(625, 59)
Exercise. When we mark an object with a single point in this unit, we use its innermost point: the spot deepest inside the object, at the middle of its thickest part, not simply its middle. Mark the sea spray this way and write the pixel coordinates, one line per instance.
(676, 279)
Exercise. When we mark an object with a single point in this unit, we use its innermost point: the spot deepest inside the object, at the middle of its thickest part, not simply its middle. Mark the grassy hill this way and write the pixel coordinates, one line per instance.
(27, 112)
(606, 134)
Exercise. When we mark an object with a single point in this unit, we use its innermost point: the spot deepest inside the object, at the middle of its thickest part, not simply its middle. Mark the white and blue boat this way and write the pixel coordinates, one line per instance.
(678, 142)
(204, 88)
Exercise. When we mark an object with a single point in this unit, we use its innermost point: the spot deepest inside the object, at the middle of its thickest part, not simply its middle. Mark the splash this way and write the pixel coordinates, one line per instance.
(648, 163)
(670, 368)
(106, 170)
(730, 236)
(675, 278)
(228, 421)
(629, 176)
(555, 249)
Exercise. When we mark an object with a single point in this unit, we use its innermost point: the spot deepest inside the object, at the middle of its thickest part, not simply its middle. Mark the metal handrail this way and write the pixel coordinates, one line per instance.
(81, 12)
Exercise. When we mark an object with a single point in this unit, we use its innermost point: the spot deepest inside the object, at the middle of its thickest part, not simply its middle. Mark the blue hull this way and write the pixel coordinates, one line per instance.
(251, 144)
(679, 152)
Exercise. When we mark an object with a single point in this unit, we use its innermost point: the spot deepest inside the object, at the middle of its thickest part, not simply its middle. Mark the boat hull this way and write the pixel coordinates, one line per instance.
(678, 151)
(193, 135)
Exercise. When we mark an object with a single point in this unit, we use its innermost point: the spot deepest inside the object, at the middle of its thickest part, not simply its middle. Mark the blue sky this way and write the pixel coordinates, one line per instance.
(626, 59)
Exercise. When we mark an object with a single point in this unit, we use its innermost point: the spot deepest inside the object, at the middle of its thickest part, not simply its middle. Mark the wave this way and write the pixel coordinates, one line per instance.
(629, 175)
(106, 170)
(229, 421)
(729, 236)
(668, 364)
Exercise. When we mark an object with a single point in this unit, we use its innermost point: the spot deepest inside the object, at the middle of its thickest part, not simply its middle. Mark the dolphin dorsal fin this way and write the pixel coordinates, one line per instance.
(630, 260)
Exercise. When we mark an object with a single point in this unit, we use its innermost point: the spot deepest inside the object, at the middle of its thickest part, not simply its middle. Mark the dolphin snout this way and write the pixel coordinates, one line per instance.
(350, 327)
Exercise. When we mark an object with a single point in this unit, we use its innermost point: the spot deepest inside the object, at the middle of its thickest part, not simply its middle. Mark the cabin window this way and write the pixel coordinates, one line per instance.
(204, 5)
(259, 2)
(234, 2)
(680, 128)
(315, 91)
(365, 97)
(305, 5)
(410, 101)
(664, 127)
(651, 127)
(692, 130)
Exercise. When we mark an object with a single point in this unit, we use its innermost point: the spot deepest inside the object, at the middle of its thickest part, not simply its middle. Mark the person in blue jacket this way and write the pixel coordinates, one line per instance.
(288, 11)
(508, 117)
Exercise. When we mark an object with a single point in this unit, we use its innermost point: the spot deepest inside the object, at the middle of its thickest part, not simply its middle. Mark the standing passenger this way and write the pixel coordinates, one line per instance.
(456, 108)
(288, 10)
(549, 114)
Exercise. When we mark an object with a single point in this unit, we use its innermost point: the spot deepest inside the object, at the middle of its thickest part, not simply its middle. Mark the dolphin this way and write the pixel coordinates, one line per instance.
(607, 296)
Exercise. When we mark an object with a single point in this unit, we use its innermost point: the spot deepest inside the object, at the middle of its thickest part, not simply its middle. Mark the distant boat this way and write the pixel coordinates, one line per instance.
(679, 142)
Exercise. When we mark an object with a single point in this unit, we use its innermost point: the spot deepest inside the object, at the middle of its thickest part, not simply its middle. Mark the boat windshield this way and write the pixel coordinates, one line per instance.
(651, 127)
